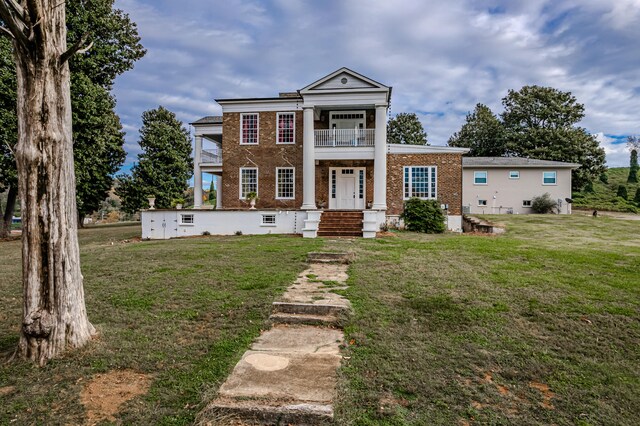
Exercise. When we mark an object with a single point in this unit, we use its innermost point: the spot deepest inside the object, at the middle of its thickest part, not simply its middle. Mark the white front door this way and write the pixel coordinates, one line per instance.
(346, 192)
(347, 188)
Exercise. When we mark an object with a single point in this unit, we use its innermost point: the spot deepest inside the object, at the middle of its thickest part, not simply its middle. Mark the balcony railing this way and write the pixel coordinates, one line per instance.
(344, 137)
(211, 156)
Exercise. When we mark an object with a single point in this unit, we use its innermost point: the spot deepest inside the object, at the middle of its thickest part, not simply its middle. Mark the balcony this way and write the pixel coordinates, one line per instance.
(347, 138)
(211, 156)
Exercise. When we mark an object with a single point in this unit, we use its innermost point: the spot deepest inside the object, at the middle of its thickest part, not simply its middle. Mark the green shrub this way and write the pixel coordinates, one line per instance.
(543, 204)
(622, 192)
(604, 178)
(423, 216)
(636, 199)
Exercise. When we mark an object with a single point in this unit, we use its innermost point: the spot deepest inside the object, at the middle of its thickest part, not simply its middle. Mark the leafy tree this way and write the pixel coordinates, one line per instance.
(405, 128)
(97, 145)
(633, 167)
(423, 216)
(482, 132)
(8, 134)
(164, 166)
(622, 192)
(540, 123)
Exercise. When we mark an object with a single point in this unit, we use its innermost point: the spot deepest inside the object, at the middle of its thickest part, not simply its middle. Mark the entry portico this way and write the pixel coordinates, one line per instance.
(355, 109)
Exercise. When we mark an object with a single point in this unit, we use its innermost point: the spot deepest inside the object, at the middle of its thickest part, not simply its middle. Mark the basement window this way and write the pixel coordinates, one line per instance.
(482, 203)
(187, 219)
(268, 220)
(526, 203)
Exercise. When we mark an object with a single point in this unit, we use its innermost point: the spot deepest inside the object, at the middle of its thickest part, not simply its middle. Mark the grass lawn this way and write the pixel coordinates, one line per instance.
(540, 325)
(181, 311)
(537, 326)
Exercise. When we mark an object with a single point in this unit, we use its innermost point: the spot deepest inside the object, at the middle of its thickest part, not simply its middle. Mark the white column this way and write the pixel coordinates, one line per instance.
(218, 192)
(380, 160)
(308, 162)
(197, 174)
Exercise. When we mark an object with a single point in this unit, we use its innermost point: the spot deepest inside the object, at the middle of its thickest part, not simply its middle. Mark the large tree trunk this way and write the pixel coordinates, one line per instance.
(54, 314)
(5, 225)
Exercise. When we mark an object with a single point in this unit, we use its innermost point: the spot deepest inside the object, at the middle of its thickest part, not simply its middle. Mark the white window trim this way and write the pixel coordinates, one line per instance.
(517, 176)
(294, 183)
(257, 127)
(555, 182)
(262, 222)
(486, 176)
(526, 206)
(240, 181)
(278, 128)
(193, 216)
(486, 203)
(411, 195)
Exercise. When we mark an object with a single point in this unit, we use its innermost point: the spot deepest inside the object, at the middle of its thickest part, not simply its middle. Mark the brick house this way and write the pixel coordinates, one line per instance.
(319, 161)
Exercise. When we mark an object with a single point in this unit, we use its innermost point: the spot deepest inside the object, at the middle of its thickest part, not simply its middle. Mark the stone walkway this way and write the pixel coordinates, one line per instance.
(288, 376)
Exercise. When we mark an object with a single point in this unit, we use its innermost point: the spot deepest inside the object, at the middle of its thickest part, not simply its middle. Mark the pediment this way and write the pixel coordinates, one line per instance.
(343, 79)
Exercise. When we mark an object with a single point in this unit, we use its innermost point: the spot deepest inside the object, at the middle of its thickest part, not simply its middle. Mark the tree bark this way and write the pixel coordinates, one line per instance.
(54, 313)
(5, 225)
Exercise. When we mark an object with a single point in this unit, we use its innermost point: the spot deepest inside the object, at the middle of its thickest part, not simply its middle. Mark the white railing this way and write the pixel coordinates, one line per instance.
(211, 156)
(344, 137)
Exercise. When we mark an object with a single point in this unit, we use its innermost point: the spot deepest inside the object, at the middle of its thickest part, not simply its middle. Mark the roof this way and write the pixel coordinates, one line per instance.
(396, 148)
(209, 119)
(514, 161)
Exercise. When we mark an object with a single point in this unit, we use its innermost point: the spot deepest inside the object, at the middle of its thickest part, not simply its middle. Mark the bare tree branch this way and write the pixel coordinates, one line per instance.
(15, 24)
(16, 8)
(76, 48)
(6, 32)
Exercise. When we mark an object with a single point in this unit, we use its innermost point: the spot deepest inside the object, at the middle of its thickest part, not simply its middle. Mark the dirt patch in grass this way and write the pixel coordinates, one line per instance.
(106, 393)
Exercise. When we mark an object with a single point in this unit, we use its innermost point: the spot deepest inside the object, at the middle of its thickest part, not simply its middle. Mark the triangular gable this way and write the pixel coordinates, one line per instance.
(343, 79)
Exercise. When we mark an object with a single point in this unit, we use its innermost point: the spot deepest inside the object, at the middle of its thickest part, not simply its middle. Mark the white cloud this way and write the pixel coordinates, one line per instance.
(440, 57)
(615, 149)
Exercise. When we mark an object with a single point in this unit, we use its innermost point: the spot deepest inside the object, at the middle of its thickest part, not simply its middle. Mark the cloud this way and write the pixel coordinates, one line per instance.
(440, 57)
(615, 147)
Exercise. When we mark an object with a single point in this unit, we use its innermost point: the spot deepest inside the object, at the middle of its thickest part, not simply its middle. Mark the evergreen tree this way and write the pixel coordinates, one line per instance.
(622, 192)
(405, 128)
(482, 132)
(163, 168)
(212, 193)
(633, 167)
(636, 198)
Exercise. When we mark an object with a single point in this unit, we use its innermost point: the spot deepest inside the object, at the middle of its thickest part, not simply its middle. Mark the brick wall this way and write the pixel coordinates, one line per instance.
(449, 176)
(266, 156)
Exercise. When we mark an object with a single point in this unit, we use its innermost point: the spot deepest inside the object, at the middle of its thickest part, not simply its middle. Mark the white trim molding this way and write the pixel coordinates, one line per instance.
(257, 142)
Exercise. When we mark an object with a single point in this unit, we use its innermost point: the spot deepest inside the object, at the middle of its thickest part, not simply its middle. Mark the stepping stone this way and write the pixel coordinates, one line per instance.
(289, 375)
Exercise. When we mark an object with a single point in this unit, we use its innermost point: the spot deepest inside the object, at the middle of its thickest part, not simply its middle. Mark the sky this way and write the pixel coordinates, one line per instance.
(441, 58)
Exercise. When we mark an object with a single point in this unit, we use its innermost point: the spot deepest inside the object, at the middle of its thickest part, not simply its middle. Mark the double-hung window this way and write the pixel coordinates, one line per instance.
(248, 181)
(420, 181)
(549, 178)
(286, 127)
(249, 129)
(479, 178)
(285, 183)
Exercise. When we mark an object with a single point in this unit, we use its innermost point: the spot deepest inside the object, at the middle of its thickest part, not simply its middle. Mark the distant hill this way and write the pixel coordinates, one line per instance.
(604, 195)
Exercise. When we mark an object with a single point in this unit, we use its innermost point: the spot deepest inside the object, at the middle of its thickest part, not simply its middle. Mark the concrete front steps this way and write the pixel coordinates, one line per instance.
(340, 223)
(289, 375)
